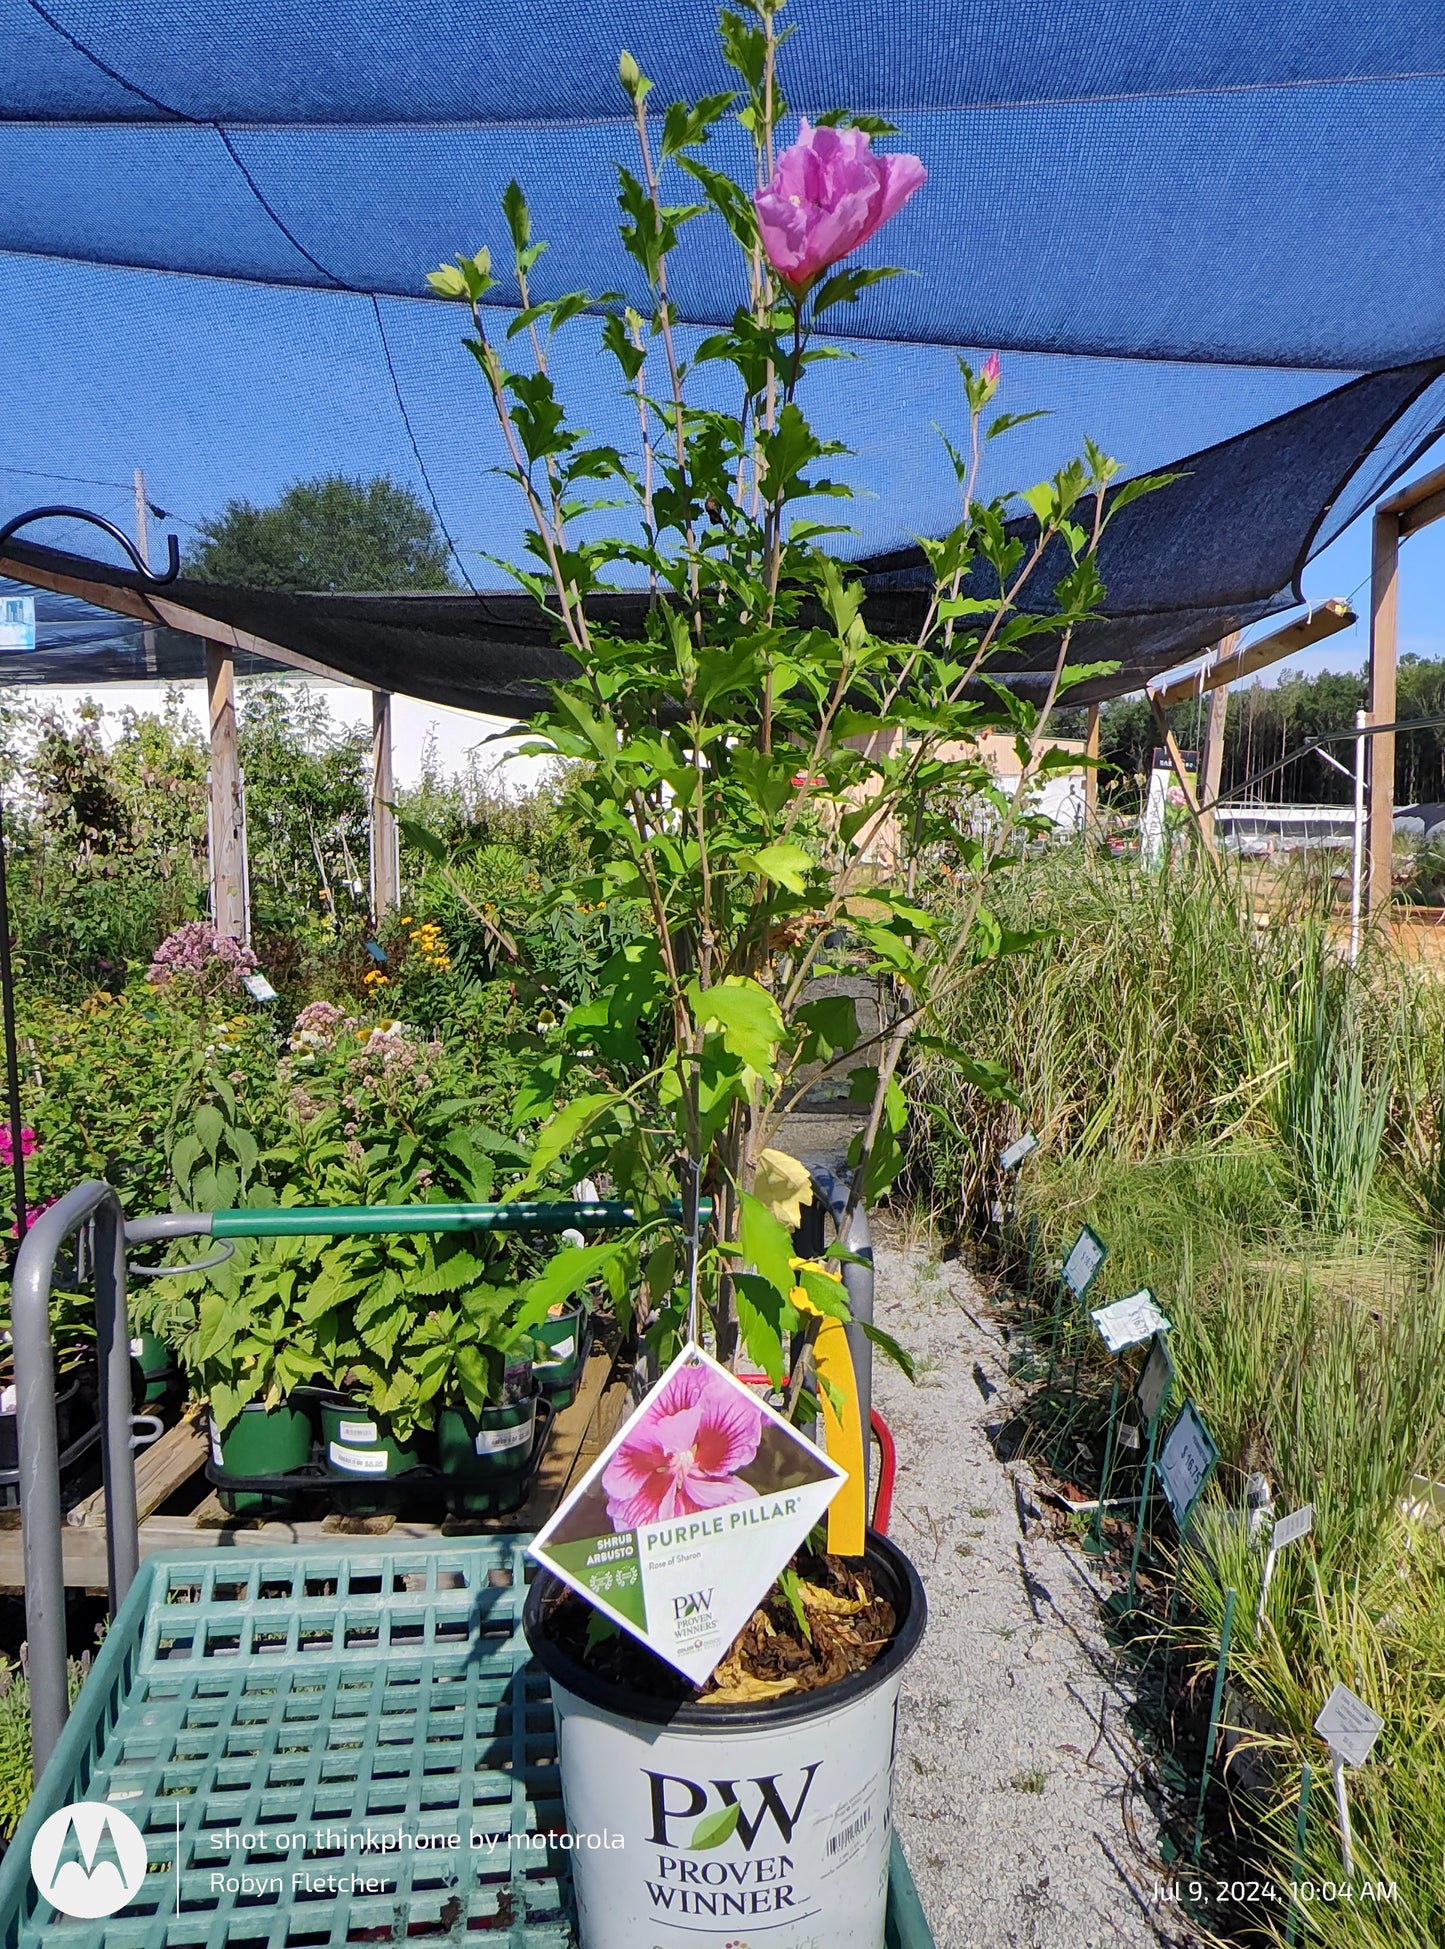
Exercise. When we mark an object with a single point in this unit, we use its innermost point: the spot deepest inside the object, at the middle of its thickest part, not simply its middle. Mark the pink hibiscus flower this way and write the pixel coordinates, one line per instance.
(828, 195)
(684, 1453)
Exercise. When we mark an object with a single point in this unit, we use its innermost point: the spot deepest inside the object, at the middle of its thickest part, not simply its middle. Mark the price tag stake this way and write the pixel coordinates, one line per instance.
(1349, 1728)
(1289, 1529)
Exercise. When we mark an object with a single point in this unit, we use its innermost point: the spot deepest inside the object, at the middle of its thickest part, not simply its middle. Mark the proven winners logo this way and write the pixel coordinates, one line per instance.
(88, 1860)
(693, 1818)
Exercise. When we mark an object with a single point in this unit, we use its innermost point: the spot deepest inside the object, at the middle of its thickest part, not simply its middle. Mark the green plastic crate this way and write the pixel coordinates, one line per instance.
(264, 1693)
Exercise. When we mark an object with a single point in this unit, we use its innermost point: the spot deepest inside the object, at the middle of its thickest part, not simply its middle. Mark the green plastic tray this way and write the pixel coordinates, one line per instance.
(264, 1693)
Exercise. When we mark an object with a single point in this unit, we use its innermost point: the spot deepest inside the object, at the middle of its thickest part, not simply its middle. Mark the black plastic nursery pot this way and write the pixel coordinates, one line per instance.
(649, 1785)
(261, 1441)
(77, 1434)
(486, 1459)
(568, 1337)
(359, 1447)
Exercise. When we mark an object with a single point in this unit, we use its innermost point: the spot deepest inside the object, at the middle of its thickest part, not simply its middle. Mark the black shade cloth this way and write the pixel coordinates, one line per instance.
(1221, 548)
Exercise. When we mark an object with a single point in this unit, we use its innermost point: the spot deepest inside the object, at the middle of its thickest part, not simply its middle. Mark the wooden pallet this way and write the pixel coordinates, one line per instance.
(579, 1433)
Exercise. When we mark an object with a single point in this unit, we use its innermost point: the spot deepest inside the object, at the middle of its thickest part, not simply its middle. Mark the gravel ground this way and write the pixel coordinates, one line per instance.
(1017, 1797)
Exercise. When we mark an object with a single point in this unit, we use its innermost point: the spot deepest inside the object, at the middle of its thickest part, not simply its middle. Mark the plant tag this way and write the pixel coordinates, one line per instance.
(1086, 1255)
(258, 988)
(1129, 1322)
(1289, 1529)
(497, 1441)
(1348, 1726)
(1155, 1382)
(216, 1445)
(679, 1528)
(1185, 1461)
(357, 1461)
(1018, 1151)
(356, 1430)
(135, 1347)
(563, 1350)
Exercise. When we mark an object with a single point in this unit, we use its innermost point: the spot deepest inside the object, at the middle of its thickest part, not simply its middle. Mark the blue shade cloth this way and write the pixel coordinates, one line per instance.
(1177, 222)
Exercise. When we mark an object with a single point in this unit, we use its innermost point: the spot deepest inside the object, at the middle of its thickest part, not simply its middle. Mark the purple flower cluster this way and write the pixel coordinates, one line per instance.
(208, 960)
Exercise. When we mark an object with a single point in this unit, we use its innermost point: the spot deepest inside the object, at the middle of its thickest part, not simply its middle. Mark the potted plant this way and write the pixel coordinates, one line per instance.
(765, 783)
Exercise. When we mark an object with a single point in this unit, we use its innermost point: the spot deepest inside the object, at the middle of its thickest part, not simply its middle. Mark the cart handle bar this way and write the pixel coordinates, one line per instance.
(352, 1221)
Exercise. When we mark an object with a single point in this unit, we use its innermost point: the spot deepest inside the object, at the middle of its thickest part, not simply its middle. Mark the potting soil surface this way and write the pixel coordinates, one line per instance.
(1018, 1796)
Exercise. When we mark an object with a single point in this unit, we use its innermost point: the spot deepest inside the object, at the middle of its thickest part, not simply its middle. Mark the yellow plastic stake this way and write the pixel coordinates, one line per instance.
(833, 1362)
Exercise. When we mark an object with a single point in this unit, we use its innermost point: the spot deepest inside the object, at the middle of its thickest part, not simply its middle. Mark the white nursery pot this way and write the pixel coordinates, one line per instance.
(644, 1779)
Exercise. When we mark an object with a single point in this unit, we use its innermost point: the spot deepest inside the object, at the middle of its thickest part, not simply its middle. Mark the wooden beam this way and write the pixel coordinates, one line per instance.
(1384, 623)
(1326, 619)
(155, 607)
(1417, 505)
(1091, 774)
(385, 854)
(227, 846)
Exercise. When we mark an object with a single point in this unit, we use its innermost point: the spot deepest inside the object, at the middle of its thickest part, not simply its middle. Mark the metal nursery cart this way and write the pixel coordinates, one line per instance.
(256, 1710)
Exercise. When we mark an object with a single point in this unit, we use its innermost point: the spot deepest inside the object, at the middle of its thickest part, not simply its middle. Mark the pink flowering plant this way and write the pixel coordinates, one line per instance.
(767, 775)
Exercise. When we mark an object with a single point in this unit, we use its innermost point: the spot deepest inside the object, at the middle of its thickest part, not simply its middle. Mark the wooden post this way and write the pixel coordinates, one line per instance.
(1384, 616)
(1186, 786)
(1091, 776)
(228, 899)
(385, 853)
(1214, 741)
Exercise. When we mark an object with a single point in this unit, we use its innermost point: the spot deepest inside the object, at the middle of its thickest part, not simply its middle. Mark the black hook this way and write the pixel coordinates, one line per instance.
(173, 547)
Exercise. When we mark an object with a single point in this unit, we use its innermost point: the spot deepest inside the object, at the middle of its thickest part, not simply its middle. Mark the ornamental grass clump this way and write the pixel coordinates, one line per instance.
(759, 771)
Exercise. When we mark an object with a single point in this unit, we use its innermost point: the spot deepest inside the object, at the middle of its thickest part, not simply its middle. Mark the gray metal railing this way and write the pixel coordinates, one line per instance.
(40, 1498)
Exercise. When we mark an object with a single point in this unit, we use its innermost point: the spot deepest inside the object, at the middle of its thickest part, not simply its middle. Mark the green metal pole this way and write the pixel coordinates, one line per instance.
(1220, 1671)
(1297, 1872)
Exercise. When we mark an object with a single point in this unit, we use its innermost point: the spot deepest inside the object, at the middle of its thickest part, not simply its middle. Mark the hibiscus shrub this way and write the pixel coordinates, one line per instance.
(761, 776)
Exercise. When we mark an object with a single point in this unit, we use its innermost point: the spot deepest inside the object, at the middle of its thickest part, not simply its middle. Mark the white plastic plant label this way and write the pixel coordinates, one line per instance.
(1348, 1726)
(356, 1430)
(216, 1457)
(563, 1350)
(1018, 1151)
(679, 1528)
(1129, 1322)
(497, 1441)
(357, 1461)
(1289, 1529)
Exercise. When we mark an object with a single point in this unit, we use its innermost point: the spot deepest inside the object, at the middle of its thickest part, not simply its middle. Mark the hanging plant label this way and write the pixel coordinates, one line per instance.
(1018, 1151)
(1086, 1255)
(258, 988)
(1348, 1726)
(1185, 1460)
(1129, 1322)
(679, 1528)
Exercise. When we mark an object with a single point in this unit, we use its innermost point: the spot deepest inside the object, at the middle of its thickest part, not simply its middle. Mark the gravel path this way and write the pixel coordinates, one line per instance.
(1016, 1798)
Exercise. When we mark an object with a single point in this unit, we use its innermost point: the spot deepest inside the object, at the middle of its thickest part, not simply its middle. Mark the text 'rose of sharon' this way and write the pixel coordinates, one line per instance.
(828, 195)
(684, 1453)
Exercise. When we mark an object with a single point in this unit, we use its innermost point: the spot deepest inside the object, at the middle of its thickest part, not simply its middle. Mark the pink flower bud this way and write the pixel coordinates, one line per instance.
(992, 369)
